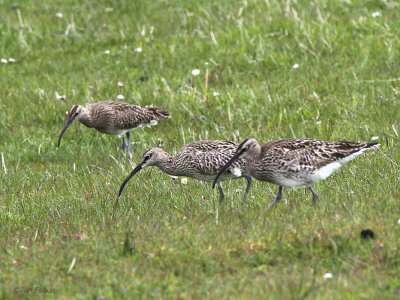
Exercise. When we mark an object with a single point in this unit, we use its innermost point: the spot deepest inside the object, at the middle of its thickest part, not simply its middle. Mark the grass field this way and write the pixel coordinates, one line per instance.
(278, 69)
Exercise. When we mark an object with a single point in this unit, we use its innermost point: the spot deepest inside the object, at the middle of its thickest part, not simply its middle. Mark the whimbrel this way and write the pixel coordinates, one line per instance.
(294, 162)
(201, 160)
(116, 118)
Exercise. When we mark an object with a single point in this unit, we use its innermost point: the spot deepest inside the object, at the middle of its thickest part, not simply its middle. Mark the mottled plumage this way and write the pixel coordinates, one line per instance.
(116, 118)
(296, 162)
(201, 160)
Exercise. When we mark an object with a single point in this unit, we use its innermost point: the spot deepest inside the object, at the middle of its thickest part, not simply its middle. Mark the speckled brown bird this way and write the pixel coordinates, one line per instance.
(201, 160)
(116, 118)
(295, 162)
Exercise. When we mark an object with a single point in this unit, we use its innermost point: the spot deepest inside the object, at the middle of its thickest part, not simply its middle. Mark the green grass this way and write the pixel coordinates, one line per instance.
(346, 88)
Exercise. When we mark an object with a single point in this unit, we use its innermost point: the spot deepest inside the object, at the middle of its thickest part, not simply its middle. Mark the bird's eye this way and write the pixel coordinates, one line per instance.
(76, 113)
(146, 157)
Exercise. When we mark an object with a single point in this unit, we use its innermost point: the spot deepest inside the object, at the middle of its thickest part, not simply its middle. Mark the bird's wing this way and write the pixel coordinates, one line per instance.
(210, 156)
(128, 116)
(309, 154)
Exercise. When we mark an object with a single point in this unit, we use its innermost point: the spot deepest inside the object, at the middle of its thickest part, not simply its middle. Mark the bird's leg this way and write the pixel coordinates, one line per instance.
(314, 195)
(221, 193)
(278, 197)
(122, 148)
(248, 178)
(128, 135)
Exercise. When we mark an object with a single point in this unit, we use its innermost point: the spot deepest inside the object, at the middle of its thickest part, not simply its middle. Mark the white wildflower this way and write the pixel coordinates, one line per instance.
(109, 9)
(195, 72)
(60, 97)
(23, 247)
(376, 14)
(59, 15)
(11, 60)
(138, 49)
(120, 83)
(121, 97)
(374, 138)
(4, 61)
(215, 94)
(107, 52)
(184, 180)
(295, 66)
(398, 221)
(328, 276)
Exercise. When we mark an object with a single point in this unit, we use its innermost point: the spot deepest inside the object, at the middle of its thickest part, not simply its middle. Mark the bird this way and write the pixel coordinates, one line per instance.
(115, 118)
(294, 162)
(200, 160)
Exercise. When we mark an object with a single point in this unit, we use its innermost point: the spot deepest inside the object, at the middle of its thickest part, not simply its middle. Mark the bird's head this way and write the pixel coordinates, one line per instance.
(76, 113)
(152, 157)
(247, 149)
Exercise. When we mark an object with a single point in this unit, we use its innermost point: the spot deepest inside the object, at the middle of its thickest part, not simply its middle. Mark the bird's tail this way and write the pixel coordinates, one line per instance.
(165, 113)
(369, 145)
(159, 113)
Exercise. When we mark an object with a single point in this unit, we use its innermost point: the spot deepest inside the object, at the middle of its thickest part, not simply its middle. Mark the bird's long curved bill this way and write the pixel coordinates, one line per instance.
(224, 168)
(135, 170)
(65, 128)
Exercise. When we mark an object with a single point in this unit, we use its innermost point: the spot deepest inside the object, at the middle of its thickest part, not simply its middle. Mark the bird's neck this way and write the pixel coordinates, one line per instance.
(254, 154)
(253, 158)
(87, 121)
(167, 165)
